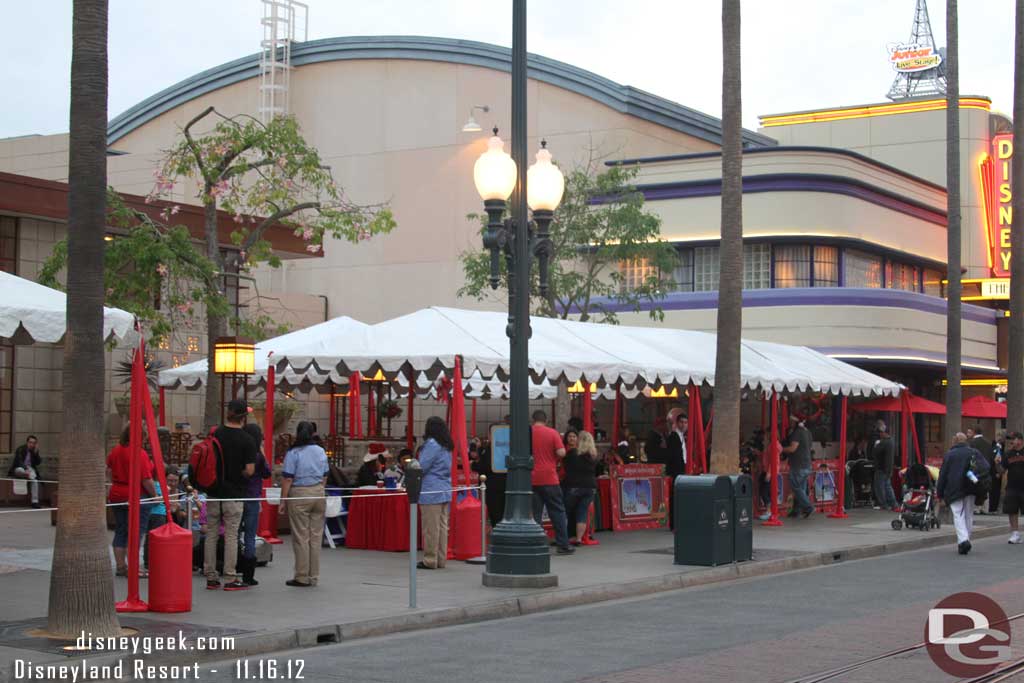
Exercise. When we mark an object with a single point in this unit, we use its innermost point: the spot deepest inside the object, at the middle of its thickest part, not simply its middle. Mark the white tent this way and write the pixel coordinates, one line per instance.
(340, 330)
(31, 312)
(428, 341)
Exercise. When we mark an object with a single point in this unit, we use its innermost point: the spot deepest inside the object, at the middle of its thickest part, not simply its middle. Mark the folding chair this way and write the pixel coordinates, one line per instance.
(336, 510)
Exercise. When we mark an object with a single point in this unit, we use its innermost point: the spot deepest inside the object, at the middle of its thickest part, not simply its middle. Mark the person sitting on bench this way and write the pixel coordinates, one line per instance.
(26, 466)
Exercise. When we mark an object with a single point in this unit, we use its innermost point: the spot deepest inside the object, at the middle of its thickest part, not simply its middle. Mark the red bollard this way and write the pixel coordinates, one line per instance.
(464, 538)
(170, 569)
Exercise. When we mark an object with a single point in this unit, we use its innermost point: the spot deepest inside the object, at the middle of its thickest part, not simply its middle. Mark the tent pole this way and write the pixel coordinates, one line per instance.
(409, 436)
(840, 511)
(774, 473)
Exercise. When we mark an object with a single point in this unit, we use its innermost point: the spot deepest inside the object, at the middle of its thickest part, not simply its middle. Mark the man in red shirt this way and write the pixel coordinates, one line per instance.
(548, 449)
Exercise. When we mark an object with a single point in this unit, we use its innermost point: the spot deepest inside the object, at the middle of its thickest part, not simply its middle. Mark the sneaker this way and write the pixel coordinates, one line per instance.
(1015, 538)
(567, 550)
(212, 585)
(765, 516)
(235, 585)
(876, 507)
(37, 506)
(808, 512)
(964, 548)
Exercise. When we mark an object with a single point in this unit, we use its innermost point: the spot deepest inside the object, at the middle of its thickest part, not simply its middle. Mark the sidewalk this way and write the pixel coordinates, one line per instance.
(363, 593)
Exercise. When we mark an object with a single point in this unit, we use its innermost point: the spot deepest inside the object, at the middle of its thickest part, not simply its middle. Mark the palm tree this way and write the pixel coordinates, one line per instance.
(954, 305)
(81, 582)
(726, 428)
(1015, 407)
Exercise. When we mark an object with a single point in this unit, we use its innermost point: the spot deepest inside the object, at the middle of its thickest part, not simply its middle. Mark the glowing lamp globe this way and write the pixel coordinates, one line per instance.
(544, 183)
(494, 172)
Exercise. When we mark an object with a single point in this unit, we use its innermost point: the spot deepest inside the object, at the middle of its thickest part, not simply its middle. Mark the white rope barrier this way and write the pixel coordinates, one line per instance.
(158, 499)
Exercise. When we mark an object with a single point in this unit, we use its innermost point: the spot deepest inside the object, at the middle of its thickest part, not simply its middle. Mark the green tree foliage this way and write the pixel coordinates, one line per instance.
(600, 224)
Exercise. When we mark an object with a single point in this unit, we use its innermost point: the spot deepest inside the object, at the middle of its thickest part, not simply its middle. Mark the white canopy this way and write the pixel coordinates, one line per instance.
(429, 340)
(341, 330)
(31, 312)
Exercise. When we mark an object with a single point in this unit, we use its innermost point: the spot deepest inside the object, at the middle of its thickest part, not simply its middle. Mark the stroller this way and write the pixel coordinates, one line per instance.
(918, 500)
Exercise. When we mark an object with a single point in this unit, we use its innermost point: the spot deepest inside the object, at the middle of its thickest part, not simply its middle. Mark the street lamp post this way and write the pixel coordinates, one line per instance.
(518, 554)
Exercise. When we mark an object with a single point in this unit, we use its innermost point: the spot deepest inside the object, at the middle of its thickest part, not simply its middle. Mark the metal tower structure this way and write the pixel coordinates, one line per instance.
(918, 63)
(280, 20)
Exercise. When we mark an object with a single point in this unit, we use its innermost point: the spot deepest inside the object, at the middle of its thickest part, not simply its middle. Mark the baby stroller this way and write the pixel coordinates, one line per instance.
(918, 500)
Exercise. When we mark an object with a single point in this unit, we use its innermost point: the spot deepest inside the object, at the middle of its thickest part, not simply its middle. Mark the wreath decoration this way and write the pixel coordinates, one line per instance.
(809, 408)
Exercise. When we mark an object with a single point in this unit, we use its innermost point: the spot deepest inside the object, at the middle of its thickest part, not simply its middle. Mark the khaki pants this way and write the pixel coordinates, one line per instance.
(435, 534)
(306, 518)
(229, 512)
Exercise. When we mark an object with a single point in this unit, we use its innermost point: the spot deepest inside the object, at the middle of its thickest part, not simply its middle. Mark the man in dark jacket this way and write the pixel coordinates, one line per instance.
(952, 489)
(883, 454)
(675, 455)
(655, 444)
(25, 465)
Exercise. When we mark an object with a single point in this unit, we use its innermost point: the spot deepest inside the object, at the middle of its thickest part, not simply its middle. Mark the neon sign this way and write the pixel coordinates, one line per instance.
(997, 192)
(913, 58)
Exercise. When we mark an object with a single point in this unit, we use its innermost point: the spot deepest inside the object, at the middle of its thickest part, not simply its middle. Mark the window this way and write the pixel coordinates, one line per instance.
(792, 266)
(8, 264)
(705, 269)
(682, 274)
(826, 267)
(635, 273)
(861, 269)
(757, 266)
(902, 276)
(933, 282)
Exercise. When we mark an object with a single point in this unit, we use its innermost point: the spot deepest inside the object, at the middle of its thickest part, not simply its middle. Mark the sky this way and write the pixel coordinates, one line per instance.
(797, 54)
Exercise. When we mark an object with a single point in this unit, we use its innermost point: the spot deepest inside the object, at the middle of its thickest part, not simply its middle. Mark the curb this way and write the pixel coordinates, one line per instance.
(267, 642)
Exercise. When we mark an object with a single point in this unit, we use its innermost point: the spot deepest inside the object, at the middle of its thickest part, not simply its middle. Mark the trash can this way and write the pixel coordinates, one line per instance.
(703, 520)
(742, 517)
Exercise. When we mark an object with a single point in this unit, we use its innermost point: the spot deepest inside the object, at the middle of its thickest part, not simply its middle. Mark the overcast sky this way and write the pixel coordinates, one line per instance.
(797, 54)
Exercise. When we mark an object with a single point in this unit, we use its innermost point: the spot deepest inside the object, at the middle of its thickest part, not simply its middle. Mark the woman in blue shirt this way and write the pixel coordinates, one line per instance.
(436, 461)
(304, 473)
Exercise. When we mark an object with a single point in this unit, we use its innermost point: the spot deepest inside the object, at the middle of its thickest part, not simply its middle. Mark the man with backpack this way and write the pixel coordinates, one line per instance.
(221, 466)
(1012, 463)
(964, 475)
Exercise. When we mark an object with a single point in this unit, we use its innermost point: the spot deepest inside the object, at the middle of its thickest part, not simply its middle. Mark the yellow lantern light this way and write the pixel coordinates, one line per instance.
(494, 173)
(545, 184)
(662, 392)
(234, 356)
(578, 387)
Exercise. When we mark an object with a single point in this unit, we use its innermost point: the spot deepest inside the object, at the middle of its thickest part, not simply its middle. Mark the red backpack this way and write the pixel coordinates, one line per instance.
(206, 464)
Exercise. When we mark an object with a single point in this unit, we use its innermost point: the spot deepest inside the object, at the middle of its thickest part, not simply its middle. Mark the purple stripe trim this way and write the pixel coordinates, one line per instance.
(818, 296)
(797, 182)
(887, 355)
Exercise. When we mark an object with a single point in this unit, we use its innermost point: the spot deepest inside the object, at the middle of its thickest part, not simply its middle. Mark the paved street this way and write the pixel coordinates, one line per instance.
(767, 630)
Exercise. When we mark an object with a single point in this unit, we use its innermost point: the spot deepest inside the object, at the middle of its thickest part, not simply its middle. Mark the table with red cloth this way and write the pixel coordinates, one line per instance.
(378, 521)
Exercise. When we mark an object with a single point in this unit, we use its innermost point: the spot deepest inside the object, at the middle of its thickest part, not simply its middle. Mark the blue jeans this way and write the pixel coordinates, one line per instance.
(550, 497)
(250, 524)
(577, 505)
(798, 482)
(884, 495)
(121, 524)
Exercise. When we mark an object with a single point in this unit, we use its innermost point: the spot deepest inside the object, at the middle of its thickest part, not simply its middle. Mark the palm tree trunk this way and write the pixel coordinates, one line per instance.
(954, 306)
(1015, 407)
(216, 324)
(81, 582)
(726, 429)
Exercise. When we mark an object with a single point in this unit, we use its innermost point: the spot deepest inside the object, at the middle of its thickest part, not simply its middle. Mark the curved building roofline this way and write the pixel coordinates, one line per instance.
(622, 98)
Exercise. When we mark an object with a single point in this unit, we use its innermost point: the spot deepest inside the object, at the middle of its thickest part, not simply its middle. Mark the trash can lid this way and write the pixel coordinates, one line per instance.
(741, 483)
(716, 484)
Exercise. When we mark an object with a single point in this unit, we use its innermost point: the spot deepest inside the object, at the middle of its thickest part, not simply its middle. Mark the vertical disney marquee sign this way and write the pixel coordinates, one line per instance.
(998, 193)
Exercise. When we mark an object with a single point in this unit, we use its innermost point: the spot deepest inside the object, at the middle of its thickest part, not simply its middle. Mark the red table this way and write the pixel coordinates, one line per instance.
(377, 521)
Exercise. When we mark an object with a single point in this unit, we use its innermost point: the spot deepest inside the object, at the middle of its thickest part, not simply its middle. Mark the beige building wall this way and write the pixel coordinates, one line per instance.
(391, 131)
(914, 142)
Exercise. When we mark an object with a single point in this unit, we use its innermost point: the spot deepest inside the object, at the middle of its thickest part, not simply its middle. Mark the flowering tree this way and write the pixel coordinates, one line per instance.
(265, 175)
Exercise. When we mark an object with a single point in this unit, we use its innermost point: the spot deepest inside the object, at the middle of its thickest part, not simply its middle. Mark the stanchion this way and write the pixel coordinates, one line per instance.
(482, 557)
(413, 486)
